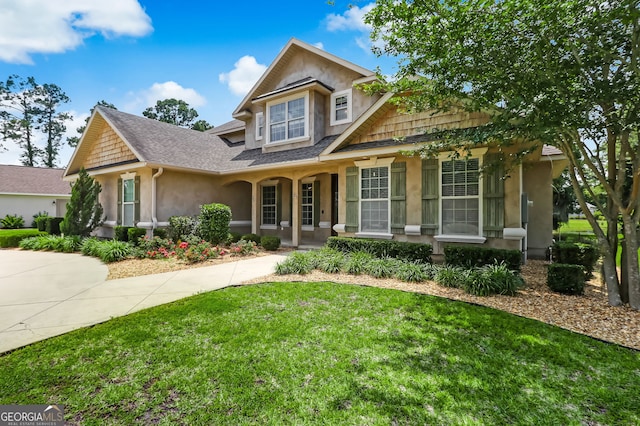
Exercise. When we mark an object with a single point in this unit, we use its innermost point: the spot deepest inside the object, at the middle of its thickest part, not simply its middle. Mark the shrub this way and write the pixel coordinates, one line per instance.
(410, 272)
(379, 268)
(356, 262)
(295, 263)
(243, 248)
(582, 254)
(252, 237)
(474, 256)
(450, 276)
(134, 234)
(182, 227)
(567, 279)
(121, 233)
(39, 218)
(491, 279)
(13, 237)
(331, 262)
(430, 270)
(270, 243)
(12, 221)
(154, 248)
(52, 225)
(84, 211)
(234, 237)
(160, 233)
(70, 243)
(196, 251)
(412, 252)
(113, 250)
(214, 222)
(90, 247)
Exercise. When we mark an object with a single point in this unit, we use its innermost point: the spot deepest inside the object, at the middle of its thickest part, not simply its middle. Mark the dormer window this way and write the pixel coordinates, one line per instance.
(341, 107)
(288, 119)
(259, 126)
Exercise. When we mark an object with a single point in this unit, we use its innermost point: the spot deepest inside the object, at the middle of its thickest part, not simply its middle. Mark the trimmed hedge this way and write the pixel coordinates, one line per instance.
(12, 237)
(270, 243)
(413, 252)
(567, 279)
(134, 234)
(475, 256)
(121, 233)
(582, 254)
(52, 225)
(214, 222)
(251, 237)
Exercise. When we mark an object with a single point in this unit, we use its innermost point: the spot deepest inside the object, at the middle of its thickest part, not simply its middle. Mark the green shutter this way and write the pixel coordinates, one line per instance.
(430, 190)
(279, 204)
(316, 203)
(136, 207)
(352, 224)
(398, 197)
(119, 214)
(493, 197)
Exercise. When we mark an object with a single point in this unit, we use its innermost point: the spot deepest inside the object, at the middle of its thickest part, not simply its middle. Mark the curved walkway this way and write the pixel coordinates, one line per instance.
(44, 294)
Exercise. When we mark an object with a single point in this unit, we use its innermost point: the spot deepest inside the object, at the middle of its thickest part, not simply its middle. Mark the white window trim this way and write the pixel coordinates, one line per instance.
(313, 213)
(132, 177)
(373, 233)
(267, 121)
(264, 184)
(259, 116)
(349, 94)
(462, 238)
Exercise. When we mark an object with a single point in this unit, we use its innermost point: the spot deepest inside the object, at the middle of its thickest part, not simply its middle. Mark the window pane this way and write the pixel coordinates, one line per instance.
(128, 190)
(375, 216)
(296, 108)
(127, 214)
(276, 113)
(296, 128)
(277, 132)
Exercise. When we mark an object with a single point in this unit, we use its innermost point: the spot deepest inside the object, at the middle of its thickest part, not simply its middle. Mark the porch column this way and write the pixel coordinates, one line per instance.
(295, 213)
(254, 207)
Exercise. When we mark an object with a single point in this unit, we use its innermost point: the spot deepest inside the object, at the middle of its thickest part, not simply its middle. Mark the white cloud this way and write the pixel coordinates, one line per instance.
(55, 26)
(319, 45)
(161, 91)
(351, 20)
(243, 76)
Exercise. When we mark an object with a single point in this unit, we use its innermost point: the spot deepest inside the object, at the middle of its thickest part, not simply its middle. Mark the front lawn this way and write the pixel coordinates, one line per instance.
(323, 353)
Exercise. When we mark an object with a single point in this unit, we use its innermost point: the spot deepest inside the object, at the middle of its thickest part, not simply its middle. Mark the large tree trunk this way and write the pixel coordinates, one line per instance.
(631, 265)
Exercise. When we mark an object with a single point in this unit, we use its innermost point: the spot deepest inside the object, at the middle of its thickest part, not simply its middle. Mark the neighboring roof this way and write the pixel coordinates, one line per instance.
(228, 127)
(32, 181)
(292, 48)
(551, 150)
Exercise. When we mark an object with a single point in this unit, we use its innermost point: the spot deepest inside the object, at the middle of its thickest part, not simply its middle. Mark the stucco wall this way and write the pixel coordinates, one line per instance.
(29, 205)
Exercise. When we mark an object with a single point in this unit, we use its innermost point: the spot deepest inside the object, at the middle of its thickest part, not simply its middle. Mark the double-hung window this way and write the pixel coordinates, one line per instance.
(307, 204)
(374, 199)
(259, 126)
(128, 202)
(461, 197)
(288, 119)
(269, 205)
(341, 107)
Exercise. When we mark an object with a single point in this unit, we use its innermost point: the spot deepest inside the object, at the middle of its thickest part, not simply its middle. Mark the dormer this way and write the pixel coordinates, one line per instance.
(304, 95)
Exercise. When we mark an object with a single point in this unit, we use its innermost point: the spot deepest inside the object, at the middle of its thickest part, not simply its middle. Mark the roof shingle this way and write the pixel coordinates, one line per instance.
(32, 180)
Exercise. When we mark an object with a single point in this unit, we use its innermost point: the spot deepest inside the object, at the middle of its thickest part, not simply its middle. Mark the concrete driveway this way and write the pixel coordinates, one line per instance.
(44, 294)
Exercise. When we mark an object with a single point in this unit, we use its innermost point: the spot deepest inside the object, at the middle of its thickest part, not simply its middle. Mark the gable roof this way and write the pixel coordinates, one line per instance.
(32, 181)
(228, 127)
(291, 49)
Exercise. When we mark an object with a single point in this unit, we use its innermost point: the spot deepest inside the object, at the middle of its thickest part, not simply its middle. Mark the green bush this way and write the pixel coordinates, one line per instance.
(12, 237)
(39, 220)
(66, 244)
(252, 237)
(121, 233)
(410, 272)
(243, 248)
(134, 234)
(270, 243)
(12, 221)
(234, 237)
(182, 227)
(575, 237)
(491, 279)
(90, 247)
(412, 252)
(582, 254)
(52, 225)
(476, 256)
(356, 262)
(450, 276)
(84, 211)
(113, 250)
(152, 248)
(379, 268)
(567, 279)
(331, 262)
(160, 233)
(295, 263)
(214, 222)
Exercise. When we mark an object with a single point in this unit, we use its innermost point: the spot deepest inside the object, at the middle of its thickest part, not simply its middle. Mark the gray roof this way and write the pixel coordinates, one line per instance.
(32, 180)
(228, 127)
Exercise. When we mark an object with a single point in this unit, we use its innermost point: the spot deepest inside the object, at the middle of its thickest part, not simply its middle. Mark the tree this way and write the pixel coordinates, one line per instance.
(201, 125)
(50, 121)
(84, 211)
(174, 111)
(564, 199)
(562, 73)
(73, 141)
(18, 113)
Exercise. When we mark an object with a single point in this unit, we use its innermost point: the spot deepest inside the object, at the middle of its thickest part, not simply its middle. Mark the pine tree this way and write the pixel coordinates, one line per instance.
(84, 211)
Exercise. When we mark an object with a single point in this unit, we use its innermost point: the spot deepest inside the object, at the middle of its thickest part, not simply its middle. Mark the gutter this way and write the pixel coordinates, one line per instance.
(154, 201)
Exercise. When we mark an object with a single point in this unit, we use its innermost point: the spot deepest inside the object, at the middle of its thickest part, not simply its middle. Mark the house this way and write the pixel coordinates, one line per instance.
(309, 155)
(27, 191)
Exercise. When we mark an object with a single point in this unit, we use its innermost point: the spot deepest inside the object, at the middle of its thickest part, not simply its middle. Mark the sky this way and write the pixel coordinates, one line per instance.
(132, 53)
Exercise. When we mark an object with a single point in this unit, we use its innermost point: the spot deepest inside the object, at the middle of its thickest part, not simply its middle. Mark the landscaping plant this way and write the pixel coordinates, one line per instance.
(214, 222)
(84, 211)
(12, 221)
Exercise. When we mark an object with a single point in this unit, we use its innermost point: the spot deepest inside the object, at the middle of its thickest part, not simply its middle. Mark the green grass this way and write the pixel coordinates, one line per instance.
(579, 225)
(323, 353)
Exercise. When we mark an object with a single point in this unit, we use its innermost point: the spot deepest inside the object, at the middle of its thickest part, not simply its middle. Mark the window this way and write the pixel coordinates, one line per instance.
(307, 204)
(128, 202)
(374, 196)
(341, 107)
(461, 197)
(269, 207)
(288, 120)
(259, 126)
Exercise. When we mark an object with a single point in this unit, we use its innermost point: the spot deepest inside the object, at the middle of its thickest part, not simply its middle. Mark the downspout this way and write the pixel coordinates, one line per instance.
(154, 202)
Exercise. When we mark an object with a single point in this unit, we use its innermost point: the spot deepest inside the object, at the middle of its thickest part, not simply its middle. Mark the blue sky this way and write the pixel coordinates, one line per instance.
(132, 53)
